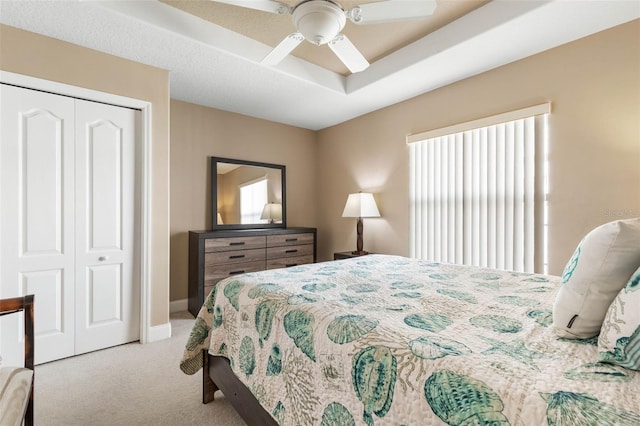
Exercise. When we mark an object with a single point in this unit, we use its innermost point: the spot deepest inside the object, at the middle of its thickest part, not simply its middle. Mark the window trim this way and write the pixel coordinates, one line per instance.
(539, 109)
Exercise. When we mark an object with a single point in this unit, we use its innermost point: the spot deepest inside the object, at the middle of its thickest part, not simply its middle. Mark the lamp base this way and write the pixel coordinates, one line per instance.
(359, 252)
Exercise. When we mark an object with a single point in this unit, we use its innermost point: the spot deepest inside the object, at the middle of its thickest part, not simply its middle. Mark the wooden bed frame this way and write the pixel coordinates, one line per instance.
(217, 375)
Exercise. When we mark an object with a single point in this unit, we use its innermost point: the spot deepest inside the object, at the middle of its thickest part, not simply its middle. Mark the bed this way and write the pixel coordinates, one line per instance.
(389, 340)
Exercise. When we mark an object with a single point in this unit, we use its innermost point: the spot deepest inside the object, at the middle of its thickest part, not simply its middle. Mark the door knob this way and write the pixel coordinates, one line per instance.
(103, 258)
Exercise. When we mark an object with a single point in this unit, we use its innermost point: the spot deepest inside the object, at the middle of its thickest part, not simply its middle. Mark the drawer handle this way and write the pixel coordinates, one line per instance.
(236, 272)
(239, 243)
(291, 251)
(290, 240)
(289, 265)
(237, 256)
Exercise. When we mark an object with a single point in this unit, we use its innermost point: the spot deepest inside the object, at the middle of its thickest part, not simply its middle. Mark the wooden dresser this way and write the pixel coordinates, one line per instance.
(214, 255)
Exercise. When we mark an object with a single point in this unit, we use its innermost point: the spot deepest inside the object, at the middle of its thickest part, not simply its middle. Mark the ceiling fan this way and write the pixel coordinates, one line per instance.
(320, 22)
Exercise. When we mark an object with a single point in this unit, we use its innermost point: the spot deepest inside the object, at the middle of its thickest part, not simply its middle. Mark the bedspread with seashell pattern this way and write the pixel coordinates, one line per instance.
(388, 340)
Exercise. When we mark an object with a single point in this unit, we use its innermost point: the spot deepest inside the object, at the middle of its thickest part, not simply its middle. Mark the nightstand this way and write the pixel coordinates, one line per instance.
(345, 255)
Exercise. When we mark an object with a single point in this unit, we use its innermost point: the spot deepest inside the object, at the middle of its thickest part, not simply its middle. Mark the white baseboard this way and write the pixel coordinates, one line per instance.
(178, 305)
(163, 331)
(159, 332)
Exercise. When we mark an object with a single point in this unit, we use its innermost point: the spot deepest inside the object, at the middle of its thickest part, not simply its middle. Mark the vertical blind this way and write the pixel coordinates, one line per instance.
(472, 196)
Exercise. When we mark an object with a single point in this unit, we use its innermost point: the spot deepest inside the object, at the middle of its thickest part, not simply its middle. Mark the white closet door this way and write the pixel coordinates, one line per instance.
(67, 223)
(107, 295)
(36, 229)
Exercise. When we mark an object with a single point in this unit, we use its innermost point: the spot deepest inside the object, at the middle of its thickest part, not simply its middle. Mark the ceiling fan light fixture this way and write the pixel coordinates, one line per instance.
(319, 21)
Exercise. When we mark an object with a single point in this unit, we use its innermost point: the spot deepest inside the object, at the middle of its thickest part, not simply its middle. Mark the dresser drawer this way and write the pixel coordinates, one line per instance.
(288, 262)
(235, 256)
(233, 243)
(216, 255)
(214, 274)
(289, 251)
(289, 239)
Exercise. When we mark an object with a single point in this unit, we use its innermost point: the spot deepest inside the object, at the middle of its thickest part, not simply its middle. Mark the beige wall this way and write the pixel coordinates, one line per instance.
(198, 133)
(594, 133)
(31, 54)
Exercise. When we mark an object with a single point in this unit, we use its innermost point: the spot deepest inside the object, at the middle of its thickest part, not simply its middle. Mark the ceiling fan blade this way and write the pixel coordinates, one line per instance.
(391, 10)
(264, 5)
(348, 54)
(285, 47)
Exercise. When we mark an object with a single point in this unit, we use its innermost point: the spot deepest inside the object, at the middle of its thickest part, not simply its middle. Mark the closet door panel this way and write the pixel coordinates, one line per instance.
(48, 286)
(106, 292)
(36, 219)
(40, 182)
(104, 185)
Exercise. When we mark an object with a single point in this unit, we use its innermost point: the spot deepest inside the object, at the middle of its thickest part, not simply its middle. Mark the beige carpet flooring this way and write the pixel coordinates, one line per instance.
(131, 384)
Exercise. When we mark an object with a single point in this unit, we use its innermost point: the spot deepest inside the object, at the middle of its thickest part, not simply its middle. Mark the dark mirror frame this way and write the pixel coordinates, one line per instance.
(214, 194)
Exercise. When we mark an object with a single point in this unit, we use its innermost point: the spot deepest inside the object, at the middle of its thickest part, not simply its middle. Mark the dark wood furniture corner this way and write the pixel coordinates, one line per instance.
(215, 255)
(13, 305)
(346, 255)
(218, 375)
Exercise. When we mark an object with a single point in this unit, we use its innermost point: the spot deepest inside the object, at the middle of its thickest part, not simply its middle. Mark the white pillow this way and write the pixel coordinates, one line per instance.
(619, 341)
(599, 268)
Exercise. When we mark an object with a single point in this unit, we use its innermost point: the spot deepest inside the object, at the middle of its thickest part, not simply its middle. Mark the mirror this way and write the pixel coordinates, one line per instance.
(247, 194)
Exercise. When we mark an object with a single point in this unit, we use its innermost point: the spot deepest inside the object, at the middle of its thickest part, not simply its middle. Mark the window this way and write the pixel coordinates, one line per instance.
(253, 197)
(477, 192)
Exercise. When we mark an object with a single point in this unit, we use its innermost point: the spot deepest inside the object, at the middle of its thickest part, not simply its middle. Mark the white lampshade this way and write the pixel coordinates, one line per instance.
(361, 204)
(220, 222)
(272, 212)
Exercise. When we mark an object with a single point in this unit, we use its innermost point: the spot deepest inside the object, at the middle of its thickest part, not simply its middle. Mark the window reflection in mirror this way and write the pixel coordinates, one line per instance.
(253, 198)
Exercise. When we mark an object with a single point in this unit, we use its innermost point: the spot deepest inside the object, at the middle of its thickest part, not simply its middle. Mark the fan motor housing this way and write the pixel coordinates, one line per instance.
(319, 21)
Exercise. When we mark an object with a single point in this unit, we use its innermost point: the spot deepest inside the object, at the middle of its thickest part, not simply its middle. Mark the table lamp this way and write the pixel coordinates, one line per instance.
(360, 205)
(272, 212)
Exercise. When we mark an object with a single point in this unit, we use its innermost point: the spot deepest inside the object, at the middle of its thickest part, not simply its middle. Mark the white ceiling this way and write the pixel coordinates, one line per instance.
(214, 66)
